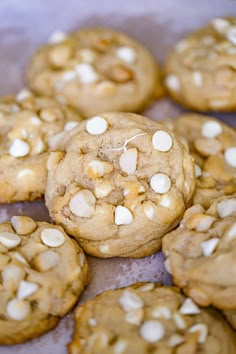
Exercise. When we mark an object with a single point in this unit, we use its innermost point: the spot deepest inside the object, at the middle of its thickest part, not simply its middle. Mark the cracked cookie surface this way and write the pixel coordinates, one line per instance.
(43, 272)
(31, 126)
(122, 183)
(149, 318)
(98, 65)
(200, 69)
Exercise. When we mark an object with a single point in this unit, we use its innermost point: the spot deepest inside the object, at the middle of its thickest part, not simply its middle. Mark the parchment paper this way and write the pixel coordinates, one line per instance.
(24, 24)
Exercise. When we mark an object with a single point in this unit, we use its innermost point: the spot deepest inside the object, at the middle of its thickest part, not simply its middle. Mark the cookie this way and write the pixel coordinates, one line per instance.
(200, 69)
(96, 70)
(43, 272)
(213, 146)
(122, 183)
(149, 318)
(30, 127)
(200, 254)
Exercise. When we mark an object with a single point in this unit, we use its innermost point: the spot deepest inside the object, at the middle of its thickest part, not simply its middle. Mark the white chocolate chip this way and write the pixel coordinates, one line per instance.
(127, 54)
(57, 37)
(148, 211)
(146, 287)
(160, 183)
(35, 121)
(104, 249)
(226, 207)
(18, 309)
(23, 225)
(97, 167)
(15, 108)
(204, 223)
(92, 322)
(96, 125)
(70, 125)
(19, 148)
(230, 156)
(103, 189)
(179, 321)
(69, 75)
(152, 331)
(25, 172)
(18, 257)
(86, 73)
(9, 239)
(23, 94)
(197, 78)
(39, 147)
(172, 82)
(52, 237)
(198, 171)
(130, 301)
(141, 189)
(46, 260)
(128, 161)
(134, 316)
(26, 288)
(11, 276)
(120, 346)
(87, 55)
(83, 204)
(203, 331)
(209, 246)
(211, 129)
(165, 201)
(123, 216)
(231, 34)
(24, 133)
(162, 141)
(220, 24)
(175, 340)
(161, 312)
(231, 233)
(182, 45)
(189, 308)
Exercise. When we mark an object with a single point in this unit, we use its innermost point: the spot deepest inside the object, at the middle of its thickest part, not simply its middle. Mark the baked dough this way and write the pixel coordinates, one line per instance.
(149, 318)
(213, 146)
(122, 183)
(200, 254)
(43, 272)
(30, 126)
(201, 69)
(96, 70)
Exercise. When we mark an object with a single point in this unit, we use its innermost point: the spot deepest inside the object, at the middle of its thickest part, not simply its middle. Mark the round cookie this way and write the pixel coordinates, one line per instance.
(149, 318)
(200, 254)
(122, 183)
(200, 69)
(96, 65)
(43, 272)
(30, 127)
(213, 146)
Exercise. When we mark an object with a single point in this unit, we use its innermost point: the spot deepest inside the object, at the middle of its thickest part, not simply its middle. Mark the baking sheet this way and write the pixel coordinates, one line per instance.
(24, 25)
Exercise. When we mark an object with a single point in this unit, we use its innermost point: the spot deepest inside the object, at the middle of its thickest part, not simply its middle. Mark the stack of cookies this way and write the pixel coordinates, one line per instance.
(118, 184)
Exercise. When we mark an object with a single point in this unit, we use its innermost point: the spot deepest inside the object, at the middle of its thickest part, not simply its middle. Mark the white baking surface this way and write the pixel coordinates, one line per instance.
(24, 24)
